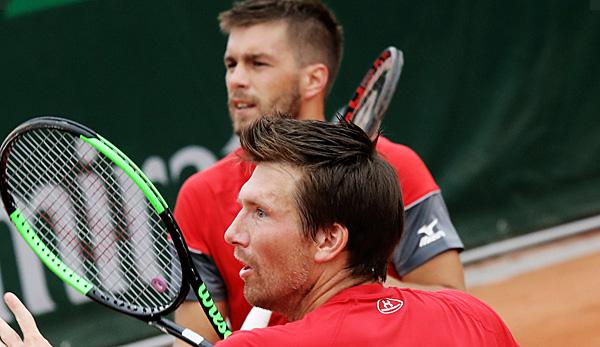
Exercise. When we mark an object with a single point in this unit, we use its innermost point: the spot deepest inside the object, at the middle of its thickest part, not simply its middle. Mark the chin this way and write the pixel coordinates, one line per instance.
(256, 297)
(241, 124)
(238, 127)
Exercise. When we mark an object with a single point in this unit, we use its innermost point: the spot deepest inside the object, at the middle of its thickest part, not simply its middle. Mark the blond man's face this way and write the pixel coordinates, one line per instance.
(263, 76)
(275, 255)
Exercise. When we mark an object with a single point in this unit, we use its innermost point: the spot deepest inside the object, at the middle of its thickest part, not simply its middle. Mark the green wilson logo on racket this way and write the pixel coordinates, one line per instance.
(213, 313)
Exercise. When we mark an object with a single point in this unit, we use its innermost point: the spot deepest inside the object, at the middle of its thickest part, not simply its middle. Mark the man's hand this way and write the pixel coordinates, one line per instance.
(31, 335)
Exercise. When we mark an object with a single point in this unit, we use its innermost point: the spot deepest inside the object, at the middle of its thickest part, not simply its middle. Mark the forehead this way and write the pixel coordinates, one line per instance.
(271, 183)
(264, 38)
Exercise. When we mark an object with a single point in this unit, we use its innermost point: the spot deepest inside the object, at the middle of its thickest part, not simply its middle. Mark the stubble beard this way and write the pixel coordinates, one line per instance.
(285, 105)
(282, 294)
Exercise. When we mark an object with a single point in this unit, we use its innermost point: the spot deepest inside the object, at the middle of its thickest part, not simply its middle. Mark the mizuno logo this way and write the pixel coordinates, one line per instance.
(429, 234)
(388, 306)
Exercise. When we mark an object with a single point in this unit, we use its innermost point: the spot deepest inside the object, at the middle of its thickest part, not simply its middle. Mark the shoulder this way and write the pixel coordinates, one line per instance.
(228, 173)
(207, 194)
(274, 336)
(392, 150)
(415, 179)
(221, 170)
(401, 157)
(466, 301)
(460, 317)
(485, 317)
(317, 326)
(459, 302)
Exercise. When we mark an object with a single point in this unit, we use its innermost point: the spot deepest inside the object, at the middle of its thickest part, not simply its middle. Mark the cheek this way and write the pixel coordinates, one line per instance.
(293, 254)
(281, 250)
(276, 87)
(228, 83)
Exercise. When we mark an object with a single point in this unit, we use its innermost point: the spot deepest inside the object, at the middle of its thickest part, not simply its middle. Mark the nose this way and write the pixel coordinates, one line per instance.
(237, 77)
(236, 235)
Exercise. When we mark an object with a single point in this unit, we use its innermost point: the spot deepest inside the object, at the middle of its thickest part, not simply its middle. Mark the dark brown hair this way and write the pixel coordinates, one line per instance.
(313, 30)
(344, 181)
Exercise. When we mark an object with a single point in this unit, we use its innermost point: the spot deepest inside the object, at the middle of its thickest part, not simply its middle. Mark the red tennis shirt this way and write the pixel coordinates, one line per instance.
(371, 315)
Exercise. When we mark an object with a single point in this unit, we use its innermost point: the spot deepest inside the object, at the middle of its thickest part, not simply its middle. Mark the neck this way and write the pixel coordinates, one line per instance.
(323, 289)
(313, 109)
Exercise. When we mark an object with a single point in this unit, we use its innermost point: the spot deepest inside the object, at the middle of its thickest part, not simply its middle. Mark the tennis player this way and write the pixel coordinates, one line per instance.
(284, 56)
(320, 217)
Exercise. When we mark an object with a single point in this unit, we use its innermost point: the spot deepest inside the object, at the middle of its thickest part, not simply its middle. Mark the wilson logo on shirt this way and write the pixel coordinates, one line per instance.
(388, 306)
(429, 234)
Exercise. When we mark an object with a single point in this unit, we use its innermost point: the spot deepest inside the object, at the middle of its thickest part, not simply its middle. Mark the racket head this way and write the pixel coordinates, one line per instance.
(91, 216)
(374, 94)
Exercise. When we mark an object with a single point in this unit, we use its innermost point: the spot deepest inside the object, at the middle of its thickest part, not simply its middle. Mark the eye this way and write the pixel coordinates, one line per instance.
(229, 64)
(260, 213)
(258, 63)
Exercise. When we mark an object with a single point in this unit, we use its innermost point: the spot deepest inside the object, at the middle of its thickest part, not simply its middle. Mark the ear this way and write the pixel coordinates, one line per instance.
(330, 242)
(314, 80)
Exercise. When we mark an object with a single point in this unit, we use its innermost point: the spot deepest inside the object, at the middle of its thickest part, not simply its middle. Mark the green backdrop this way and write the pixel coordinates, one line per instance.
(501, 100)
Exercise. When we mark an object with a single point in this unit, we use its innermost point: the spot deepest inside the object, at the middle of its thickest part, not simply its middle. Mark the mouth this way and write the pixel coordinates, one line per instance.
(246, 269)
(241, 105)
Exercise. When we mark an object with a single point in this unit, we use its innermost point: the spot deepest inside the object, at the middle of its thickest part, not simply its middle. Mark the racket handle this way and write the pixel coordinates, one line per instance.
(183, 334)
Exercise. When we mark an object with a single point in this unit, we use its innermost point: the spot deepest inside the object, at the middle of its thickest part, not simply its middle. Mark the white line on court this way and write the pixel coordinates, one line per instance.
(528, 240)
(511, 265)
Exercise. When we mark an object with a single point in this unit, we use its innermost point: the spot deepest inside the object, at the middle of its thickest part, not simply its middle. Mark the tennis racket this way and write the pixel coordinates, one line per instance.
(372, 98)
(366, 109)
(96, 221)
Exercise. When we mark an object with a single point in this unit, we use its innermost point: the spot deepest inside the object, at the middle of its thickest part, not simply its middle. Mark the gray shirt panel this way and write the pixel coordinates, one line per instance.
(210, 275)
(428, 231)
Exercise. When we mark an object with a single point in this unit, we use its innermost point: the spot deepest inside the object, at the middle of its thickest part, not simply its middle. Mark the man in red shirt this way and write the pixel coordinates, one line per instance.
(282, 56)
(320, 217)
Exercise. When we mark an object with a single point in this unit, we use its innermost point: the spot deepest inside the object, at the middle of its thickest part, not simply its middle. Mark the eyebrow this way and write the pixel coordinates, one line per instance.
(250, 56)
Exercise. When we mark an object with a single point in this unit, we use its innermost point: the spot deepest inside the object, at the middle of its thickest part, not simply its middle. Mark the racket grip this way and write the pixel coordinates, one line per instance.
(183, 334)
